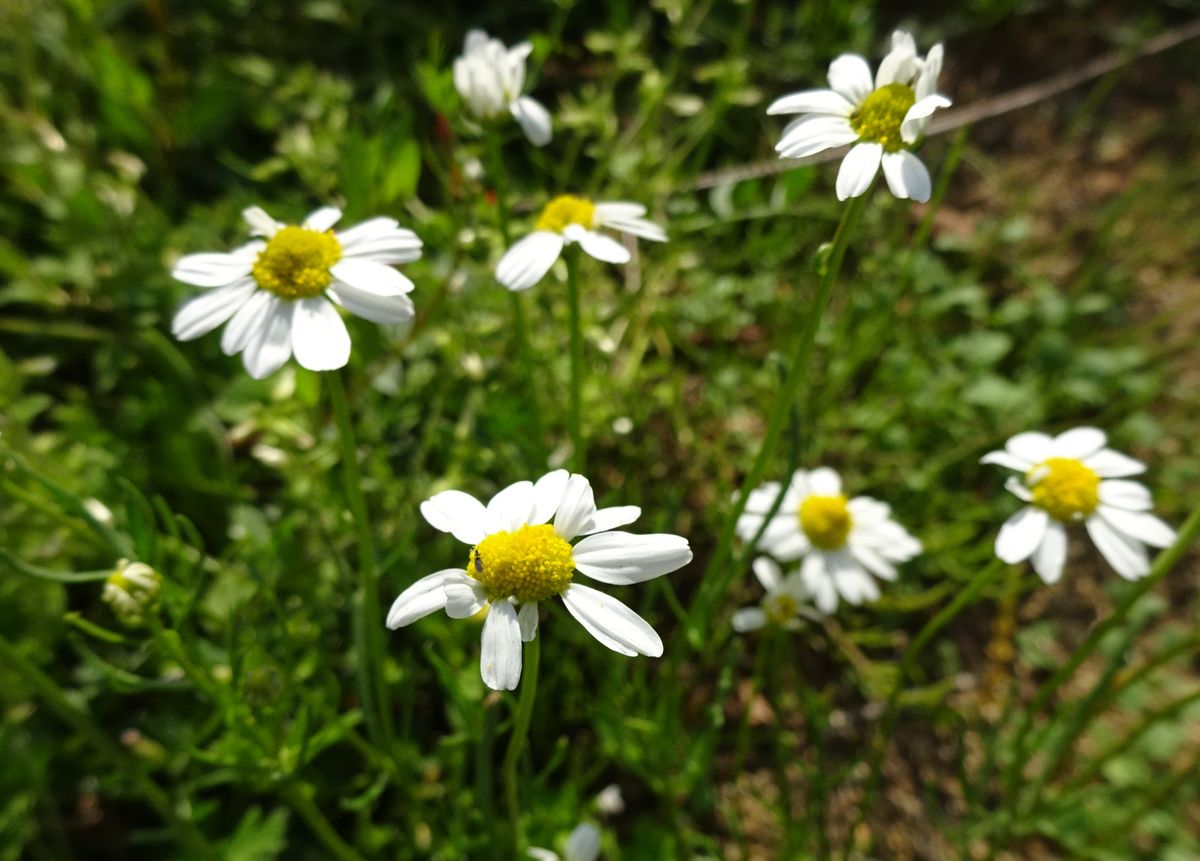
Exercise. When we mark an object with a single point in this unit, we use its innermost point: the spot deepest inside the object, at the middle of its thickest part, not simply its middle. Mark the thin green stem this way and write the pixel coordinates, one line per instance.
(299, 801)
(579, 451)
(56, 699)
(516, 744)
(719, 573)
(368, 617)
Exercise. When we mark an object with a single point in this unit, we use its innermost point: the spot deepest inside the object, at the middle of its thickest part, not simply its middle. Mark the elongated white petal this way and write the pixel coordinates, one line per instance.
(1051, 555)
(500, 657)
(915, 120)
(812, 102)
(906, 176)
(785, 545)
(851, 580)
(932, 68)
(900, 64)
(426, 596)
(868, 511)
(576, 508)
(621, 558)
(814, 133)
(372, 306)
(465, 596)
(537, 853)
(620, 209)
(527, 619)
(748, 619)
(819, 584)
(547, 494)
(458, 513)
(597, 245)
(858, 170)
(380, 240)
(320, 341)
(1017, 488)
(611, 622)
(768, 573)
(272, 347)
(583, 844)
(850, 76)
(511, 508)
(534, 120)
(1079, 443)
(823, 481)
(1129, 495)
(1108, 463)
(873, 561)
(212, 270)
(1139, 525)
(322, 219)
(1031, 446)
(604, 519)
(1127, 557)
(261, 224)
(246, 323)
(1007, 460)
(638, 227)
(371, 277)
(201, 314)
(529, 260)
(1021, 534)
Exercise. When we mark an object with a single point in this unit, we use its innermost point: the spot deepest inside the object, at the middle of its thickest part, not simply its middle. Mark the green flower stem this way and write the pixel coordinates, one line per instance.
(56, 699)
(300, 802)
(579, 450)
(516, 744)
(719, 573)
(368, 616)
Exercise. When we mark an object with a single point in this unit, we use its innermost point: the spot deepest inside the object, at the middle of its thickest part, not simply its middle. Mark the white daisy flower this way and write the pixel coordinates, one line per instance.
(1075, 478)
(783, 605)
(131, 590)
(842, 542)
(582, 845)
(519, 558)
(279, 293)
(568, 219)
(490, 77)
(883, 118)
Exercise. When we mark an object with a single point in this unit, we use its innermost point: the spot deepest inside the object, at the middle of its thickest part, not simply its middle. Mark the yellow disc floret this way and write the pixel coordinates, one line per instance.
(825, 520)
(564, 210)
(530, 564)
(295, 264)
(878, 118)
(780, 608)
(1064, 488)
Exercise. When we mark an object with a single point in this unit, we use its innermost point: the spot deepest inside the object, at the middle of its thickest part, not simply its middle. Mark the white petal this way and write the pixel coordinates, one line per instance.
(458, 513)
(1139, 525)
(639, 227)
(500, 657)
(932, 68)
(786, 546)
(511, 508)
(527, 619)
(604, 519)
(261, 224)
(900, 64)
(212, 270)
(201, 314)
(1129, 495)
(812, 102)
(371, 277)
(768, 573)
(611, 622)
(1021, 534)
(539, 854)
(906, 176)
(246, 323)
(858, 169)
(850, 76)
(547, 494)
(1128, 558)
(621, 558)
(1108, 463)
(576, 508)
(1078, 443)
(812, 134)
(851, 580)
(1051, 555)
(748, 619)
(1007, 460)
(420, 599)
(534, 120)
(272, 346)
(823, 481)
(1031, 446)
(465, 596)
(526, 262)
(873, 561)
(603, 248)
(1017, 488)
(320, 341)
(914, 121)
(381, 240)
(868, 511)
(372, 306)
(583, 844)
(322, 219)
(819, 584)
(620, 209)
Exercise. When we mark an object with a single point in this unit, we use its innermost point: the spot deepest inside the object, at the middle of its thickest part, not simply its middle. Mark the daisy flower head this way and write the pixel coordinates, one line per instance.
(279, 293)
(1075, 478)
(518, 558)
(782, 605)
(490, 77)
(845, 543)
(132, 591)
(881, 117)
(582, 845)
(568, 219)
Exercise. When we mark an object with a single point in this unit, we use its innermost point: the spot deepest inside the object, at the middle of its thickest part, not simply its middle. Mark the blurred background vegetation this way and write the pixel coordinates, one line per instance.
(1057, 287)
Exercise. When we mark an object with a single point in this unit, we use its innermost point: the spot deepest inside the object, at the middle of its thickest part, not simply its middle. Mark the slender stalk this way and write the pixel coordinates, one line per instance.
(56, 699)
(516, 744)
(579, 451)
(719, 573)
(368, 617)
(299, 801)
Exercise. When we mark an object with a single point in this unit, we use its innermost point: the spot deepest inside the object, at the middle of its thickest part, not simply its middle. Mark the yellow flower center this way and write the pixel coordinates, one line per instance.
(531, 564)
(780, 608)
(564, 210)
(295, 264)
(879, 117)
(825, 520)
(1065, 488)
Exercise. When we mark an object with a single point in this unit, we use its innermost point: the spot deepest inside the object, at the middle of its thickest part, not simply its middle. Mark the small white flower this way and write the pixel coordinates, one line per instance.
(783, 605)
(568, 219)
(518, 558)
(490, 77)
(842, 542)
(1074, 478)
(279, 293)
(883, 118)
(609, 800)
(582, 845)
(132, 591)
